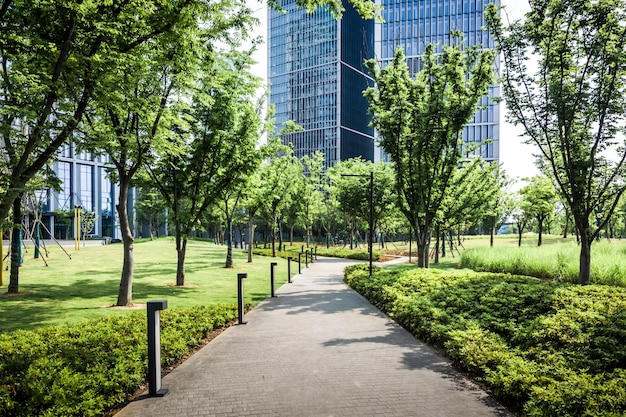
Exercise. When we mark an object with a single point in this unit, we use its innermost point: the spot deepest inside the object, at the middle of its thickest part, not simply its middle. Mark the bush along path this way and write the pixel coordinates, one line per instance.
(89, 368)
(544, 349)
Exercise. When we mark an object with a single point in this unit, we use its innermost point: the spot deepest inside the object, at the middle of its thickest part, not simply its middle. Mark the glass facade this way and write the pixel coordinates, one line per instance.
(414, 24)
(316, 76)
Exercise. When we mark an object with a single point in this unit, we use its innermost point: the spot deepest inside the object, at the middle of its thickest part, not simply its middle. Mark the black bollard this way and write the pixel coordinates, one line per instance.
(272, 266)
(299, 263)
(316, 253)
(154, 347)
(306, 258)
(240, 278)
(289, 258)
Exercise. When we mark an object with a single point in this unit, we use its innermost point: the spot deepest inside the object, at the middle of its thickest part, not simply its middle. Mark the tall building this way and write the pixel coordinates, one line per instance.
(317, 78)
(316, 72)
(413, 25)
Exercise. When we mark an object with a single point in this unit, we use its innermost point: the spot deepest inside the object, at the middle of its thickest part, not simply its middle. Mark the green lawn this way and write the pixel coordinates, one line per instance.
(85, 287)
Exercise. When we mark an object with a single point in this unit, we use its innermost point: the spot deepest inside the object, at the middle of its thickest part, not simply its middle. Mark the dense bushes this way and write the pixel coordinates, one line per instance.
(85, 369)
(332, 252)
(545, 349)
(557, 261)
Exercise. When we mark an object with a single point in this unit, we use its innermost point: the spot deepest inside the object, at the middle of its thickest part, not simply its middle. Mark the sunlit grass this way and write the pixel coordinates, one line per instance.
(86, 286)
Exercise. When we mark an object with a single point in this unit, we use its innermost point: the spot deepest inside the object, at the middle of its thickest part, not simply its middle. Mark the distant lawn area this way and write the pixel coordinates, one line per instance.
(86, 286)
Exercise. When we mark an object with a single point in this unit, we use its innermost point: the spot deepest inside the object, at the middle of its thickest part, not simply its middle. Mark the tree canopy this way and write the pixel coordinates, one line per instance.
(564, 83)
(420, 120)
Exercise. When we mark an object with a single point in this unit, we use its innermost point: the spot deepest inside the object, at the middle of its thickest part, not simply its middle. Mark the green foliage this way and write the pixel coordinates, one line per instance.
(85, 369)
(571, 102)
(542, 348)
(332, 252)
(558, 262)
(420, 120)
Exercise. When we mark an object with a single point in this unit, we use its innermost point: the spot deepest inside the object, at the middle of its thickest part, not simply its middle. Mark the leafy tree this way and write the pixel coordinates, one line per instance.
(520, 216)
(473, 188)
(213, 147)
(540, 197)
(353, 192)
(573, 104)
(311, 191)
(151, 209)
(420, 121)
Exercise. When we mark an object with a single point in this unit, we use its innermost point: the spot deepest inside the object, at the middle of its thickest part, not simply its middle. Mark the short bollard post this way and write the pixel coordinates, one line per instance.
(299, 263)
(306, 258)
(272, 266)
(240, 278)
(311, 254)
(289, 258)
(316, 253)
(302, 250)
(154, 347)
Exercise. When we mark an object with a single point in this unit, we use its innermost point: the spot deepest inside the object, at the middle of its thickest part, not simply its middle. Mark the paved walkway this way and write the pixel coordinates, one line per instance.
(318, 349)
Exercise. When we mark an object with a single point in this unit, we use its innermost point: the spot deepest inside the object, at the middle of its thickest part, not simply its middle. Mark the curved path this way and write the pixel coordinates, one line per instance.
(317, 349)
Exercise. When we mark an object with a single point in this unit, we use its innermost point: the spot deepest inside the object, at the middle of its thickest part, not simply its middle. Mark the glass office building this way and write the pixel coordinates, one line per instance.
(414, 24)
(317, 78)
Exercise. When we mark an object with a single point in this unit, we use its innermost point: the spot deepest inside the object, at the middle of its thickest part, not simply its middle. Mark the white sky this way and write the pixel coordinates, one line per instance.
(515, 156)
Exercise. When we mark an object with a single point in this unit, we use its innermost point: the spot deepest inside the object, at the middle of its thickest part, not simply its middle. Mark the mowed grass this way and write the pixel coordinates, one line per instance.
(86, 286)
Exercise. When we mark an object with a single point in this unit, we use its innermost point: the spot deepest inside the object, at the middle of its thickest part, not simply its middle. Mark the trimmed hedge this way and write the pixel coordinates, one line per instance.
(544, 349)
(332, 253)
(88, 368)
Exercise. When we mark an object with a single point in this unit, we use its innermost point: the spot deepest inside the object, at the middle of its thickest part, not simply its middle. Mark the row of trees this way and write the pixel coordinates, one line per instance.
(143, 82)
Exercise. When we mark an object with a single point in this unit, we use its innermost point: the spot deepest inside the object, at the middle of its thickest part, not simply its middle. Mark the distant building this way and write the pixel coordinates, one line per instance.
(413, 25)
(84, 183)
(317, 76)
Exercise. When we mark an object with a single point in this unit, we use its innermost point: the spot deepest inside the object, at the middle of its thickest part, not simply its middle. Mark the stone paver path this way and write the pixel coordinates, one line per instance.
(318, 349)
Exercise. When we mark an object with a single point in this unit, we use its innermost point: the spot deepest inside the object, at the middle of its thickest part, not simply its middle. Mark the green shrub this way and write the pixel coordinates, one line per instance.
(543, 348)
(85, 369)
(332, 252)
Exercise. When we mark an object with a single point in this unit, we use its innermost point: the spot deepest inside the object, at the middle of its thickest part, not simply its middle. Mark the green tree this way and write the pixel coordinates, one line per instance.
(353, 192)
(573, 104)
(311, 191)
(541, 199)
(213, 148)
(420, 121)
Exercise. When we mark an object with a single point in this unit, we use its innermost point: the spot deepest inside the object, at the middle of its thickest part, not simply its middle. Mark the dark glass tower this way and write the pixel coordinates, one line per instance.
(415, 24)
(317, 78)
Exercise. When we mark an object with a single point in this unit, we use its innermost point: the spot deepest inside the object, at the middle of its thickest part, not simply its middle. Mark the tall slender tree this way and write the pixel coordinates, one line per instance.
(572, 104)
(420, 121)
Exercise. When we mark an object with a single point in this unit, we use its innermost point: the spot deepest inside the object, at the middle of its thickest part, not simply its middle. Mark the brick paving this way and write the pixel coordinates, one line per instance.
(318, 349)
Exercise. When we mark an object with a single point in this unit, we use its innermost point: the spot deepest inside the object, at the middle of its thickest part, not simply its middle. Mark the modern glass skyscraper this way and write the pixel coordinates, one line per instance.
(317, 78)
(414, 24)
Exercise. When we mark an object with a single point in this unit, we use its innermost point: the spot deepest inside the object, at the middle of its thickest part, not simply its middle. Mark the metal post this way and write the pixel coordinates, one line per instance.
(306, 258)
(299, 263)
(311, 254)
(289, 258)
(272, 266)
(316, 253)
(154, 348)
(240, 278)
(37, 240)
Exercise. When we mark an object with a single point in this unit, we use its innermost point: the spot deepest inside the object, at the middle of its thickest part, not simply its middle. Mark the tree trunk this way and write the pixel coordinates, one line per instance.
(125, 293)
(520, 230)
(250, 236)
(566, 226)
(280, 236)
(291, 235)
(423, 247)
(181, 250)
(16, 243)
(540, 221)
(584, 271)
(437, 243)
(229, 247)
(493, 226)
(273, 237)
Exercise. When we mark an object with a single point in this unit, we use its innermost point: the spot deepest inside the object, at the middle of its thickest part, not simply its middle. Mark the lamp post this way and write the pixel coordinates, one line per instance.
(371, 219)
